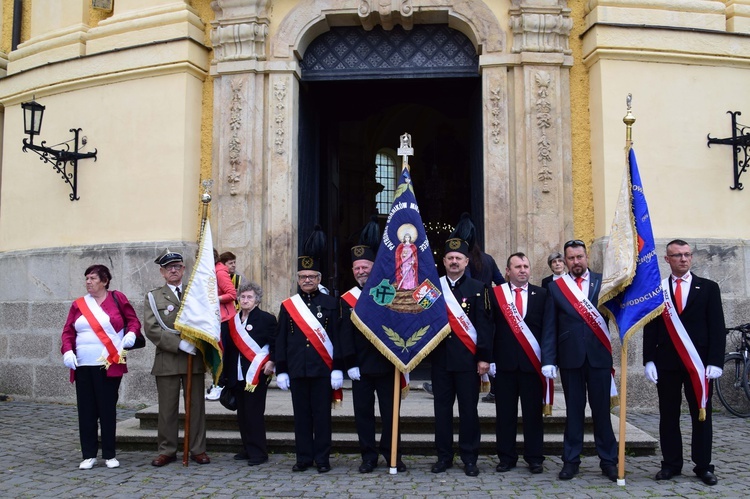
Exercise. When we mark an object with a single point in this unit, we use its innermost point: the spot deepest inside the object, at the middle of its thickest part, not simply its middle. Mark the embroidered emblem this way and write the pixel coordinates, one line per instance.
(306, 262)
(358, 251)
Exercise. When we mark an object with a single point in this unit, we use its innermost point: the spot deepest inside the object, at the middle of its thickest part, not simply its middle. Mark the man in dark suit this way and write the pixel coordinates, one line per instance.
(585, 361)
(170, 365)
(519, 375)
(459, 360)
(369, 371)
(697, 307)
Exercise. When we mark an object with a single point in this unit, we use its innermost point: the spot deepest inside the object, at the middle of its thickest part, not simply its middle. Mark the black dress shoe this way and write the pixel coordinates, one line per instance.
(256, 462)
(400, 466)
(471, 469)
(708, 478)
(503, 467)
(324, 468)
(536, 468)
(441, 466)
(610, 472)
(568, 471)
(666, 474)
(367, 466)
(301, 466)
(241, 456)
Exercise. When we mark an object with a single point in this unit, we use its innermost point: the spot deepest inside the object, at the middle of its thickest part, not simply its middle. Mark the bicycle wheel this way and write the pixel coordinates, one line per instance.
(731, 388)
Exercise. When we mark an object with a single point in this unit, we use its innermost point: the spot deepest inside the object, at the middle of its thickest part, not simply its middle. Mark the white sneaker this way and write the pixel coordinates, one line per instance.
(113, 463)
(214, 393)
(87, 464)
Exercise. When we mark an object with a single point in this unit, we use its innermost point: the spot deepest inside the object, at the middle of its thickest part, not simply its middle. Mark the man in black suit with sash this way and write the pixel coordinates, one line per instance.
(580, 347)
(518, 371)
(696, 309)
(460, 359)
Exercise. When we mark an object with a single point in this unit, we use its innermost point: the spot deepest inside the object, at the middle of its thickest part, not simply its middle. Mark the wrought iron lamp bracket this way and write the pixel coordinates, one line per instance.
(740, 142)
(64, 161)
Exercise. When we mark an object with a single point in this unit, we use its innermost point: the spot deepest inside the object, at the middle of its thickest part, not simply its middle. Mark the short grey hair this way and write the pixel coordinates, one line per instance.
(554, 256)
(251, 286)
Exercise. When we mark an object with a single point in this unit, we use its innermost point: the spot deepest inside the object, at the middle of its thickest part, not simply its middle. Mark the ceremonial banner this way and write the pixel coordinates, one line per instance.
(401, 309)
(199, 318)
(631, 293)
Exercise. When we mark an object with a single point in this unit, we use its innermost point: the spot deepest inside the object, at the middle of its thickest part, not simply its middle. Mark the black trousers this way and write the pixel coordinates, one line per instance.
(509, 386)
(311, 403)
(670, 388)
(97, 395)
(596, 383)
(363, 396)
(251, 409)
(447, 386)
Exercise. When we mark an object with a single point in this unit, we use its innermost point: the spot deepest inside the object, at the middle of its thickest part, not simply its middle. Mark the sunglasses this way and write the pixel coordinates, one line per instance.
(574, 243)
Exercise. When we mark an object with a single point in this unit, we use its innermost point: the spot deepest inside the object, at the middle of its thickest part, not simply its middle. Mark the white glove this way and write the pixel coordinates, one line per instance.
(69, 359)
(549, 372)
(337, 379)
(353, 373)
(493, 369)
(282, 381)
(713, 372)
(187, 347)
(128, 340)
(650, 372)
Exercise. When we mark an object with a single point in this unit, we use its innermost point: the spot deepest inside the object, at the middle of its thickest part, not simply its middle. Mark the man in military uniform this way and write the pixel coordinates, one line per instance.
(369, 371)
(308, 363)
(460, 359)
(170, 365)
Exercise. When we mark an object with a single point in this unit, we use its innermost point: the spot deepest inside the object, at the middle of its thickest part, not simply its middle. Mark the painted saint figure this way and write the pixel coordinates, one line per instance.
(406, 263)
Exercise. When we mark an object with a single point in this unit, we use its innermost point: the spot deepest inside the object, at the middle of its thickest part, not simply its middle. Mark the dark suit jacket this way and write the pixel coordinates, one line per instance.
(703, 318)
(451, 353)
(357, 350)
(568, 341)
(509, 355)
(263, 332)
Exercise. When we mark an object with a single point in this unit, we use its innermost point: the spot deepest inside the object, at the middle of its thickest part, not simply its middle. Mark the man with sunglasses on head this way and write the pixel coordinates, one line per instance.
(577, 341)
(685, 347)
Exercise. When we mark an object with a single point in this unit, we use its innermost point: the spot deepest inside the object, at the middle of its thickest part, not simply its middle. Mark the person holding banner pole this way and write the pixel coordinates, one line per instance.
(685, 347)
(520, 313)
(578, 342)
(459, 361)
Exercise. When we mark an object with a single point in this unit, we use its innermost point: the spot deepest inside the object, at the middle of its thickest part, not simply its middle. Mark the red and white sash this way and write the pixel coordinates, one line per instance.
(527, 340)
(590, 316)
(686, 350)
(102, 327)
(249, 348)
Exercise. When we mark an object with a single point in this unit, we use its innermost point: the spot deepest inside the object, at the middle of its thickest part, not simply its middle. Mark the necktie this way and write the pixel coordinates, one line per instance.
(519, 301)
(579, 281)
(678, 294)
(179, 293)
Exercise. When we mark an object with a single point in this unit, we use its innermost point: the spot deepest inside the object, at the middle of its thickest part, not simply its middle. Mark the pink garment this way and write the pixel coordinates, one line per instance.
(227, 292)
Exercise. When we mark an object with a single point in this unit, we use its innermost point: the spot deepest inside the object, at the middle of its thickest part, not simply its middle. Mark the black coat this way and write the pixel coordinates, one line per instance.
(263, 332)
(357, 350)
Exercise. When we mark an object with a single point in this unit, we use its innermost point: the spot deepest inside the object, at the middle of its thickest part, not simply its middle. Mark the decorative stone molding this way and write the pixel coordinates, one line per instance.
(540, 29)
(235, 143)
(240, 30)
(496, 96)
(279, 94)
(386, 13)
(543, 122)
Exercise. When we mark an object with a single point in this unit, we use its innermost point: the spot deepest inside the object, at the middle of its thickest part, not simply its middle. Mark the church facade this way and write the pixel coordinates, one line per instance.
(294, 110)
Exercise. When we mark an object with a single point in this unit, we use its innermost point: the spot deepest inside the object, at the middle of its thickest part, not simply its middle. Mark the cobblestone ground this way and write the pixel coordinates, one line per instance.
(39, 457)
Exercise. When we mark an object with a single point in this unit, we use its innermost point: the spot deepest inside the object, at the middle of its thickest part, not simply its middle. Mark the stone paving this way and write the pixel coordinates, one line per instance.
(39, 457)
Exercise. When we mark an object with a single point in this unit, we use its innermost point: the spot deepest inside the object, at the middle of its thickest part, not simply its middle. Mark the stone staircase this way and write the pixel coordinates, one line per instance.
(416, 424)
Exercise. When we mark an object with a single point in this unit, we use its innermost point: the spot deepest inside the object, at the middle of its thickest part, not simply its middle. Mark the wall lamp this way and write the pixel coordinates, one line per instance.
(63, 160)
(740, 142)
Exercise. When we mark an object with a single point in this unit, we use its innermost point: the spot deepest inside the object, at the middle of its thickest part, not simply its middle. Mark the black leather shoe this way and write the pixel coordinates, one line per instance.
(324, 468)
(367, 466)
(610, 472)
(400, 466)
(441, 466)
(568, 471)
(256, 462)
(241, 456)
(536, 468)
(503, 467)
(471, 469)
(708, 478)
(301, 466)
(666, 474)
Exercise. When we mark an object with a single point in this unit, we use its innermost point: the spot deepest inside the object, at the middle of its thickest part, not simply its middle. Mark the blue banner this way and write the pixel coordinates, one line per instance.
(401, 309)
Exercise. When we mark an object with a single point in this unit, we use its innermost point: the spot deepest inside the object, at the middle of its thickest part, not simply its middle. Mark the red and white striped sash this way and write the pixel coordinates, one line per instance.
(251, 350)
(102, 327)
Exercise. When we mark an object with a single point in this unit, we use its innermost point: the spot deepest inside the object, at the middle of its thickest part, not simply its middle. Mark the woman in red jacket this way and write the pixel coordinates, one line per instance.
(227, 296)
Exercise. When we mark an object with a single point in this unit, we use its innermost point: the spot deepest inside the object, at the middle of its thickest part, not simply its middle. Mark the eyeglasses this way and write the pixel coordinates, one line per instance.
(303, 278)
(170, 268)
(574, 243)
(680, 255)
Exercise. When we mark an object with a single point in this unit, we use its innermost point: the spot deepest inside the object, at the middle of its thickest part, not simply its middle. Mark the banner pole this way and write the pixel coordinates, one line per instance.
(394, 428)
(623, 410)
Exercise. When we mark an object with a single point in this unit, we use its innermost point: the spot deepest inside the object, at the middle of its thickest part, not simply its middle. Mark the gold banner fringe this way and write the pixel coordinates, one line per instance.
(546, 410)
(702, 414)
(485, 388)
(404, 392)
(614, 401)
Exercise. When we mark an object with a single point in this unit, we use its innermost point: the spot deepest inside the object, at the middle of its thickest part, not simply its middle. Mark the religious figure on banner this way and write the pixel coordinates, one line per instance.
(406, 259)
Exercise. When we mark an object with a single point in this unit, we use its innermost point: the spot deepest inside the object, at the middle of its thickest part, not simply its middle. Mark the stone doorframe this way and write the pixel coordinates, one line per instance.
(526, 134)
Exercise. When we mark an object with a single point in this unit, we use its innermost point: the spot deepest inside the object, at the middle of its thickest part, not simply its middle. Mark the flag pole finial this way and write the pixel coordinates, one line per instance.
(205, 199)
(629, 119)
(405, 150)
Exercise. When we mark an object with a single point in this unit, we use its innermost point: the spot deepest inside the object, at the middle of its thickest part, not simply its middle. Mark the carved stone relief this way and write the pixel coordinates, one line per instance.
(240, 30)
(540, 29)
(235, 143)
(279, 93)
(386, 13)
(543, 122)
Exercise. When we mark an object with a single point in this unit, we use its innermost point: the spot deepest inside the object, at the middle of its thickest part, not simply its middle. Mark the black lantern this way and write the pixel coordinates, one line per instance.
(60, 159)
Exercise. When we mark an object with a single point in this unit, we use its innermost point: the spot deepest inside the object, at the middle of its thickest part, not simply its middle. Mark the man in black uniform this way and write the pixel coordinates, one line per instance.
(307, 361)
(460, 359)
(369, 371)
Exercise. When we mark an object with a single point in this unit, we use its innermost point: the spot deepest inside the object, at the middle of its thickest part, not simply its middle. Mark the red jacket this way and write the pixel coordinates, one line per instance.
(227, 292)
